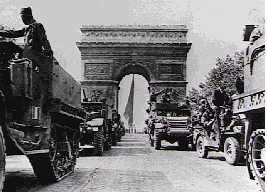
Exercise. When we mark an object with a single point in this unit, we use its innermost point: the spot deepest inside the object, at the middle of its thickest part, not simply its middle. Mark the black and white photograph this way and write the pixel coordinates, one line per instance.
(132, 95)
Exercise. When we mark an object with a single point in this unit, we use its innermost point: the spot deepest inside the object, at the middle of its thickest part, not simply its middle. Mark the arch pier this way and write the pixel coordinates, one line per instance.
(108, 53)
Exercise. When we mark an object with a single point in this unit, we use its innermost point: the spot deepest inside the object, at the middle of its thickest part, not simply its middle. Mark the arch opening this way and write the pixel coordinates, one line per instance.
(133, 69)
(141, 96)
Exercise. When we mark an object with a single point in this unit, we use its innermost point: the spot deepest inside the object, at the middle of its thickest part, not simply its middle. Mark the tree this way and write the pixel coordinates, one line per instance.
(224, 73)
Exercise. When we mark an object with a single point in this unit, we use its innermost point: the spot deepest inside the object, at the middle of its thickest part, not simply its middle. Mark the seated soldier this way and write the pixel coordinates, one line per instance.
(201, 108)
(207, 118)
(166, 97)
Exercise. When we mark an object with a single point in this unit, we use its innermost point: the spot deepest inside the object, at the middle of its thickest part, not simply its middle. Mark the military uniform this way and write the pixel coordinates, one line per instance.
(36, 48)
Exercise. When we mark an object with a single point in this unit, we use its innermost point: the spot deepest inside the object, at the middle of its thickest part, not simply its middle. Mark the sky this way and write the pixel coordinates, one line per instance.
(215, 26)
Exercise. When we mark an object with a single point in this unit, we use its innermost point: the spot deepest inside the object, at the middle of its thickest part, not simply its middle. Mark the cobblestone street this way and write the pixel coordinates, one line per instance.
(133, 165)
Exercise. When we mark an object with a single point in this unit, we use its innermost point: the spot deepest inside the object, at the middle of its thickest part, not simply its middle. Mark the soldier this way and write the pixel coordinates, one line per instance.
(201, 108)
(220, 97)
(166, 97)
(35, 40)
(36, 48)
(207, 118)
(223, 104)
(153, 95)
(239, 84)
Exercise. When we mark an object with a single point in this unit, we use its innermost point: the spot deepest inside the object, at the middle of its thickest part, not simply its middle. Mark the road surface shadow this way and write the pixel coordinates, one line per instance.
(175, 148)
(87, 152)
(222, 158)
(20, 181)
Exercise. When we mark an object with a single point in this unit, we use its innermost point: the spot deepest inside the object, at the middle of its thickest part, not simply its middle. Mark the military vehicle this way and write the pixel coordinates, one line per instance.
(96, 131)
(246, 137)
(45, 129)
(169, 122)
(250, 105)
(216, 138)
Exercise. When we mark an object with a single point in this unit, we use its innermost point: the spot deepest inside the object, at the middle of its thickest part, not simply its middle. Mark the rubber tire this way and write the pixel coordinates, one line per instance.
(234, 157)
(2, 159)
(151, 141)
(201, 149)
(183, 143)
(157, 140)
(99, 144)
(259, 181)
(114, 139)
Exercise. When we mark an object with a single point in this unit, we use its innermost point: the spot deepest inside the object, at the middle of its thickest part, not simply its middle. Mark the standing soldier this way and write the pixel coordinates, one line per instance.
(36, 48)
(223, 105)
(35, 40)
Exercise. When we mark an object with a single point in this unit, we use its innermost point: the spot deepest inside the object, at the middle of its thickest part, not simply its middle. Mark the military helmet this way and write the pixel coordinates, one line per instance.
(26, 11)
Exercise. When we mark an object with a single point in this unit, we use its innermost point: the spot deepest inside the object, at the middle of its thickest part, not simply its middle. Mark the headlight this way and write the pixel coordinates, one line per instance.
(159, 125)
(94, 128)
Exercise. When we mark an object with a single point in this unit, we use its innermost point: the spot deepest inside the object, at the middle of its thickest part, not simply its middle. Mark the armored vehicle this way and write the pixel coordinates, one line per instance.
(169, 122)
(250, 105)
(96, 131)
(44, 128)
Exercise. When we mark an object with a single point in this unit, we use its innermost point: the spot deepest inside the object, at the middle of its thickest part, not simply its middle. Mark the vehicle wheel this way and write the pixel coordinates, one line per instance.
(59, 162)
(157, 141)
(107, 145)
(2, 159)
(183, 144)
(99, 144)
(232, 150)
(119, 136)
(201, 149)
(256, 157)
(114, 139)
(151, 141)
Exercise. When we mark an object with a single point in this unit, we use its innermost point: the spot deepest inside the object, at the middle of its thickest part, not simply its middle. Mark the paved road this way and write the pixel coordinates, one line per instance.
(134, 166)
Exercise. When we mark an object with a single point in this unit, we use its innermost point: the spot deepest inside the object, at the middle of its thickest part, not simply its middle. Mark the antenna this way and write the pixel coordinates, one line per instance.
(85, 99)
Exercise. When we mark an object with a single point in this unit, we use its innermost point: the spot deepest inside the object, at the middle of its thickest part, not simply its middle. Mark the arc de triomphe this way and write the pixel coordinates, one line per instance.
(108, 53)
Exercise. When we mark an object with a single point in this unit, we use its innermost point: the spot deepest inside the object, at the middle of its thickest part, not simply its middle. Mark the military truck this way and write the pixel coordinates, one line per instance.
(45, 129)
(96, 131)
(250, 105)
(170, 122)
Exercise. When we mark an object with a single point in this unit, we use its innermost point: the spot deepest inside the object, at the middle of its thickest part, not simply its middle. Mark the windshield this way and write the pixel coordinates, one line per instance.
(92, 107)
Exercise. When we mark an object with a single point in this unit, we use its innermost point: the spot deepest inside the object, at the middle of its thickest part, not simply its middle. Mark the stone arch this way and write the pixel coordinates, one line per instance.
(133, 69)
(108, 53)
